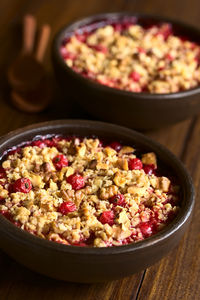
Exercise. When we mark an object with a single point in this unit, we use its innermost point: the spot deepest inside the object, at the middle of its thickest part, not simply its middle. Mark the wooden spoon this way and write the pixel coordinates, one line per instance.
(34, 101)
(27, 73)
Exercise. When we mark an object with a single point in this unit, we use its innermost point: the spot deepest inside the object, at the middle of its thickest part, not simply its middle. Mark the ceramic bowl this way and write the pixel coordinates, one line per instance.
(84, 264)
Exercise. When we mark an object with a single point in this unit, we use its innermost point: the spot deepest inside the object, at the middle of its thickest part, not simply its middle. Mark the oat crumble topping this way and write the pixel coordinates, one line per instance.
(83, 192)
(135, 58)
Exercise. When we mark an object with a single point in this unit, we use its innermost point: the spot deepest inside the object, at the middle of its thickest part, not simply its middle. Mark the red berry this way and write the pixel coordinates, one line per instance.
(60, 161)
(127, 24)
(146, 229)
(77, 181)
(2, 173)
(79, 244)
(117, 27)
(1, 199)
(107, 217)
(118, 200)
(16, 223)
(66, 54)
(22, 185)
(55, 141)
(116, 146)
(135, 76)
(149, 169)
(141, 50)
(39, 143)
(100, 48)
(165, 31)
(12, 152)
(169, 57)
(5, 213)
(193, 46)
(67, 207)
(43, 143)
(82, 37)
(100, 143)
(135, 164)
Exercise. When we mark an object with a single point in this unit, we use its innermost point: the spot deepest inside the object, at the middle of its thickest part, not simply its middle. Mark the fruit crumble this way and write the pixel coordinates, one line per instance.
(132, 57)
(85, 192)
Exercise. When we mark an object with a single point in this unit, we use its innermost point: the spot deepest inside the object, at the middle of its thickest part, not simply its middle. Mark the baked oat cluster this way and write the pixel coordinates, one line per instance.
(83, 192)
(131, 57)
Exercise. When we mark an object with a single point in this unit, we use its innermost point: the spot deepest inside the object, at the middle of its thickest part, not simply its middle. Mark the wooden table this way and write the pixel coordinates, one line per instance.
(177, 276)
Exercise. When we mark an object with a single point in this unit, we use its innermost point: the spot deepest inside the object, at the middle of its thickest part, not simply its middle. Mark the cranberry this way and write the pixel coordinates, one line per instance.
(82, 37)
(161, 68)
(77, 181)
(165, 31)
(149, 169)
(80, 244)
(146, 229)
(193, 46)
(116, 146)
(135, 164)
(90, 239)
(100, 48)
(49, 143)
(12, 152)
(2, 173)
(66, 54)
(5, 213)
(88, 74)
(43, 143)
(67, 207)
(169, 57)
(1, 199)
(55, 141)
(107, 217)
(145, 89)
(16, 223)
(100, 143)
(127, 24)
(137, 89)
(141, 50)
(135, 76)
(60, 161)
(117, 27)
(39, 143)
(118, 200)
(22, 185)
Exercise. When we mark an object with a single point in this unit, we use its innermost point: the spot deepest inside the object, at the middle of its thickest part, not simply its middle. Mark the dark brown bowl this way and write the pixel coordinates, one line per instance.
(80, 264)
(135, 110)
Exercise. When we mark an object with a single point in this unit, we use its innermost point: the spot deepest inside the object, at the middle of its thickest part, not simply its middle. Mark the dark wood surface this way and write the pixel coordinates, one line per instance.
(176, 276)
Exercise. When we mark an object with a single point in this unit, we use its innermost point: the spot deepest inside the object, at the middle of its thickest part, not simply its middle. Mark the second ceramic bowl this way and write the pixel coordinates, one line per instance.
(135, 110)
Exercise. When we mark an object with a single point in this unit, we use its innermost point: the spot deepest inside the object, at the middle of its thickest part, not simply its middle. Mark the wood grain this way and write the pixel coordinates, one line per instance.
(177, 275)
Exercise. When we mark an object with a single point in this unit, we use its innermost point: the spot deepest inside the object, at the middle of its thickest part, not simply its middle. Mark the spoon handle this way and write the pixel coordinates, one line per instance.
(43, 41)
(29, 34)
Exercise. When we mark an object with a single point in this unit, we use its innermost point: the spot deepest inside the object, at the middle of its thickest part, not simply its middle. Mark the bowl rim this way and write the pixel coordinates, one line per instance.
(22, 236)
(58, 39)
